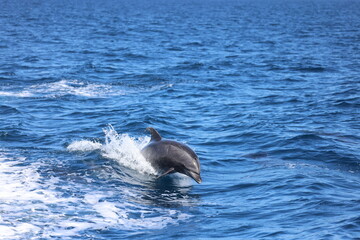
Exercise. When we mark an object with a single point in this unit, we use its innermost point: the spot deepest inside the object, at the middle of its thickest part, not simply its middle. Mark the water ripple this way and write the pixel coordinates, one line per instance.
(266, 92)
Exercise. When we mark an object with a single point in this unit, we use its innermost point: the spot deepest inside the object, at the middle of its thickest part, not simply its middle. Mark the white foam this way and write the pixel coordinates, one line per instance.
(64, 87)
(16, 94)
(27, 227)
(33, 206)
(108, 211)
(75, 88)
(20, 194)
(93, 198)
(6, 232)
(72, 87)
(84, 146)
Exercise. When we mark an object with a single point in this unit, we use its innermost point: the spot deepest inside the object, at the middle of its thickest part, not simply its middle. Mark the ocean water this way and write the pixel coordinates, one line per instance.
(265, 92)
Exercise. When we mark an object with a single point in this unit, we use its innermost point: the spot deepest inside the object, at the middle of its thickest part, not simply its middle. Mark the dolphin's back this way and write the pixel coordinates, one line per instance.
(167, 153)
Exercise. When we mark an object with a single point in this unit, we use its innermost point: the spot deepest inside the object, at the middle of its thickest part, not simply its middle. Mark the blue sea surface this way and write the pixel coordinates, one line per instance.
(267, 93)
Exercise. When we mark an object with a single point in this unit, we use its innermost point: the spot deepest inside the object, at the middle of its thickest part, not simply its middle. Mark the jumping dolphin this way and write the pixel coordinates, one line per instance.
(169, 156)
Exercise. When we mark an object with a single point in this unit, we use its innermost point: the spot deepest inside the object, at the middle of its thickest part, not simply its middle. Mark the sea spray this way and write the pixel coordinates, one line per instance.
(125, 150)
(121, 148)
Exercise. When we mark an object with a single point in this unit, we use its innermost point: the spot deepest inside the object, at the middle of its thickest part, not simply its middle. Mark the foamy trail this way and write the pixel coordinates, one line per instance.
(33, 206)
(62, 88)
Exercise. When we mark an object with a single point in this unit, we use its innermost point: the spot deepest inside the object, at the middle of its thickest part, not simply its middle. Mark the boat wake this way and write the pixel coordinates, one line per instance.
(36, 205)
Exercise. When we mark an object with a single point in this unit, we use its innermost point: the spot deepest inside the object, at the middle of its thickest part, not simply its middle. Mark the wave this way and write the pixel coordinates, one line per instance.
(63, 88)
(4, 109)
(21, 94)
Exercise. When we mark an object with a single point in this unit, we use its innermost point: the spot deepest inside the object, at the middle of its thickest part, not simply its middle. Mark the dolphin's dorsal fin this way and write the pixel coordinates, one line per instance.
(155, 136)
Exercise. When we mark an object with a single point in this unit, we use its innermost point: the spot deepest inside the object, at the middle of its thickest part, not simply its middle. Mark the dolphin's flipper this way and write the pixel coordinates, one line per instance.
(167, 172)
(155, 136)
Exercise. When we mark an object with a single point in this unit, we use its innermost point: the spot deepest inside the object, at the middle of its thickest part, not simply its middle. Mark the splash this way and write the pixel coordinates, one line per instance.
(121, 148)
(126, 151)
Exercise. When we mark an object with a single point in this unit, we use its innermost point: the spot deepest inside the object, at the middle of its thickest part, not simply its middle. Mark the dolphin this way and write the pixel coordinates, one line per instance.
(169, 156)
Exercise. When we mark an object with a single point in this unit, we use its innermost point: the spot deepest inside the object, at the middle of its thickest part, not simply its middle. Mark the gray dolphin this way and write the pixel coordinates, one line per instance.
(170, 156)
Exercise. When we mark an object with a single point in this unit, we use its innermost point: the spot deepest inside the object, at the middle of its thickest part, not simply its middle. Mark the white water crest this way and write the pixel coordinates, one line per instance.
(84, 146)
(62, 88)
(121, 148)
(20, 94)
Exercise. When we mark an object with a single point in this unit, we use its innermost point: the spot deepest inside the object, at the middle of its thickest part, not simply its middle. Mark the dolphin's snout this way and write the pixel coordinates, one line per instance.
(198, 180)
(194, 175)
